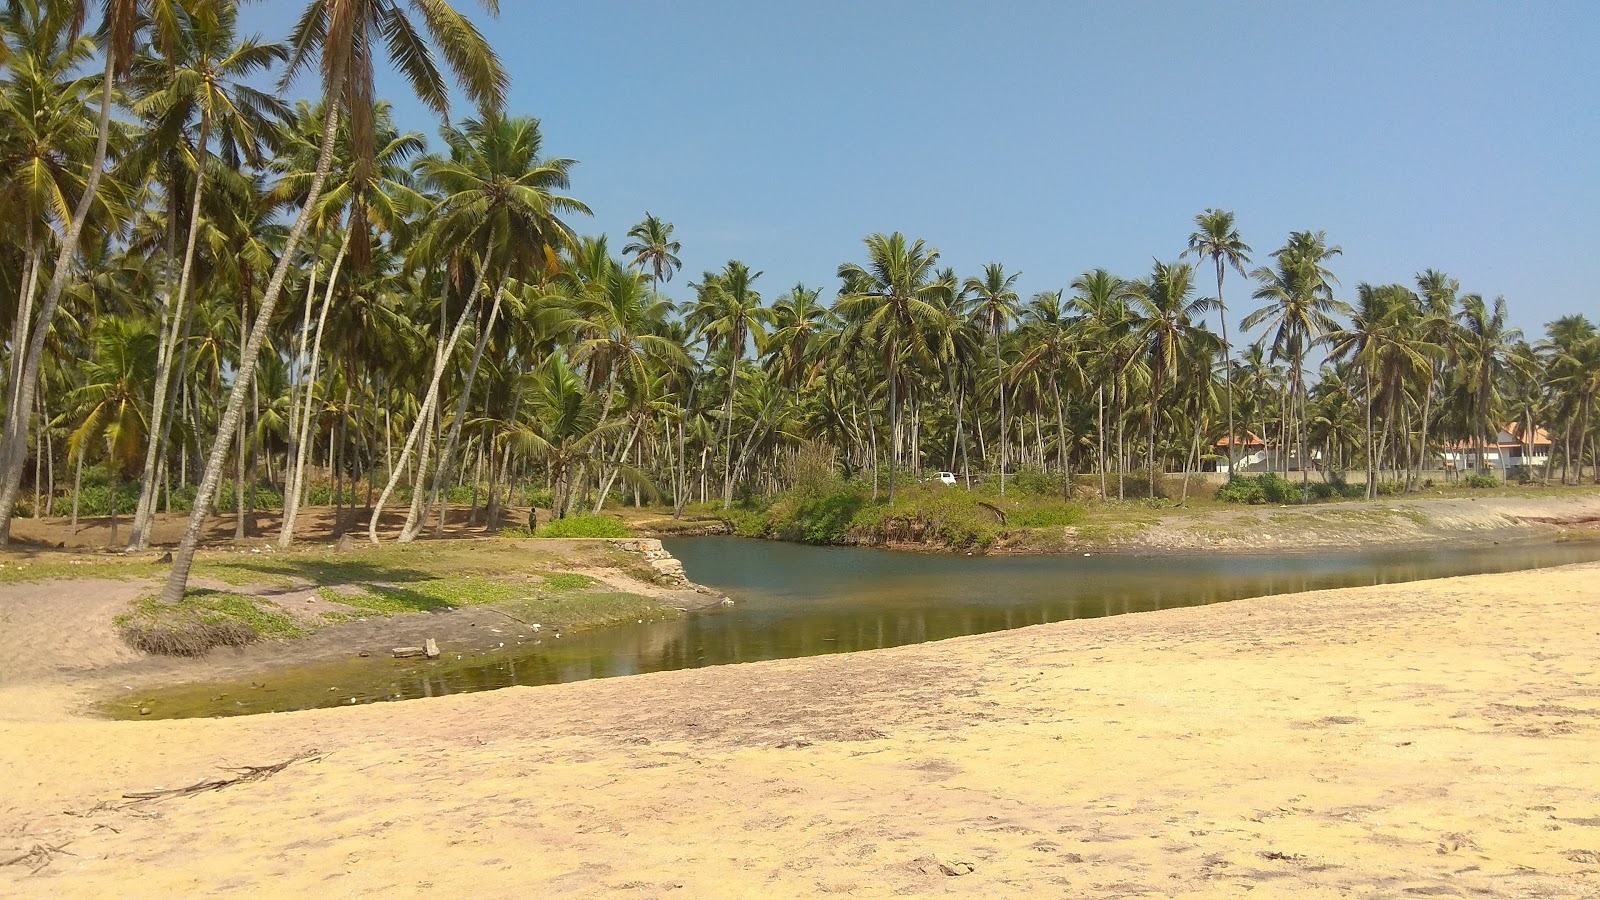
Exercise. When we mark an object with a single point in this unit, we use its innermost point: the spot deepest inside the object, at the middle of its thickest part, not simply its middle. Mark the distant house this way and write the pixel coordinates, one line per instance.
(1253, 455)
(1508, 449)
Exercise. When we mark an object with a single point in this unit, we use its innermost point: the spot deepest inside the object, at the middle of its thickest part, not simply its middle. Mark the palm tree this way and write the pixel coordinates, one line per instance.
(1051, 352)
(727, 311)
(206, 74)
(1487, 348)
(653, 248)
(995, 306)
(1381, 338)
(1164, 327)
(498, 190)
(1572, 348)
(1438, 327)
(1299, 310)
(1216, 237)
(112, 397)
(1105, 323)
(889, 302)
(341, 35)
(122, 22)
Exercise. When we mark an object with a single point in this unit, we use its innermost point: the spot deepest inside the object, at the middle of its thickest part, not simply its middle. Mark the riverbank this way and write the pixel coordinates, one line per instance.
(1506, 514)
(77, 622)
(1432, 738)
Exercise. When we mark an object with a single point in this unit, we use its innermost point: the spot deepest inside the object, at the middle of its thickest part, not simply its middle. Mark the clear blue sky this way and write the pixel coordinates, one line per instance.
(1057, 137)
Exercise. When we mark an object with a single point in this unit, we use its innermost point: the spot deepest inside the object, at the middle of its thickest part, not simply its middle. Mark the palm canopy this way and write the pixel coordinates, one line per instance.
(652, 247)
(496, 189)
(343, 37)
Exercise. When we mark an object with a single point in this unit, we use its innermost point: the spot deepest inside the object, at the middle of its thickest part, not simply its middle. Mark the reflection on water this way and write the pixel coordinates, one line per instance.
(795, 601)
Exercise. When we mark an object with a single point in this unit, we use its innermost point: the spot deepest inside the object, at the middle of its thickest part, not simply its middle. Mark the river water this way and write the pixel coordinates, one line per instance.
(793, 600)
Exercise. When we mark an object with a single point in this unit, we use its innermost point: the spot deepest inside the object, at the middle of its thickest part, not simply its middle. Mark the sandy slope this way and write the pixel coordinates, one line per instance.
(1435, 738)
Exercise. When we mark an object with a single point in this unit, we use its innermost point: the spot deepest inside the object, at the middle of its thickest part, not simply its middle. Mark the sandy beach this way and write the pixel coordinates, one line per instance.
(1432, 739)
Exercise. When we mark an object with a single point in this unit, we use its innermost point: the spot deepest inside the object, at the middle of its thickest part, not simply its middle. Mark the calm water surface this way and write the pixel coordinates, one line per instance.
(795, 600)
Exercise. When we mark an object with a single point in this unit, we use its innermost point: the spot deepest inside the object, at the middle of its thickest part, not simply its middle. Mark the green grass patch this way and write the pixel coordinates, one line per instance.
(205, 619)
(585, 527)
(588, 610)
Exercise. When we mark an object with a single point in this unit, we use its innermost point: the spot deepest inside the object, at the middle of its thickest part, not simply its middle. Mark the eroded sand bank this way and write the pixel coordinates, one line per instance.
(1433, 738)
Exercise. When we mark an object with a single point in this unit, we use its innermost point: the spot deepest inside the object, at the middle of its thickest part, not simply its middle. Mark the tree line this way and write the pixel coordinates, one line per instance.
(205, 283)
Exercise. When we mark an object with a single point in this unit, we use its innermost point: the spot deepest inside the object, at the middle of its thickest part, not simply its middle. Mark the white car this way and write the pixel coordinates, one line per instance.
(945, 478)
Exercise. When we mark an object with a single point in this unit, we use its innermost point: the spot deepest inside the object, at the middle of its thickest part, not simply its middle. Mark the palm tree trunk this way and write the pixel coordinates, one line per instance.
(727, 425)
(1372, 485)
(1000, 385)
(14, 436)
(292, 497)
(292, 451)
(1100, 435)
(1227, 350)
(894, 414)
(183, 560)
(77, 490)
(145, 514)
(21, 324)
(447, 457)
(441, 357)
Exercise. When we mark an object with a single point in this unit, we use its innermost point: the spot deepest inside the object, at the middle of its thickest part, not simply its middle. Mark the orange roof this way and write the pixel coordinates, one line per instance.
(1540, 436)
(1250, 440)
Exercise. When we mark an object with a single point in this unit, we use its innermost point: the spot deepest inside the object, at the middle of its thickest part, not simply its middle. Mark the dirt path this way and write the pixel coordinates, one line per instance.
(1432, 738)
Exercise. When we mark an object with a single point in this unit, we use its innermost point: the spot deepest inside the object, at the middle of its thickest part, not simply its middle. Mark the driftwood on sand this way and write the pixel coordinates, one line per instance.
(245, 774)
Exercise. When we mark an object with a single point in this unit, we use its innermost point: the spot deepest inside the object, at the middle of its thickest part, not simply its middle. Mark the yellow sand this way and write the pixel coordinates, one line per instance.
(1439, 738)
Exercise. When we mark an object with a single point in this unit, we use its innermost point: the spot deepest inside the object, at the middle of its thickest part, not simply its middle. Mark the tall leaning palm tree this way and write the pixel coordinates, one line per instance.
(206, 78)
(341, 35)
(890, 302)
(995, 305)
(1216, 237)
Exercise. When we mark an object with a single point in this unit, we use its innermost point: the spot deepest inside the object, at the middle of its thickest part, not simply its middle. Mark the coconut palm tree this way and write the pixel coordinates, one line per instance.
(1216, 237)
(499, 191)
(1105, 322)
(727, 312)
(1486, 352)
(340, 35)
(995, 305)
(1299, 311)
(112, 398)
(888, 303)
(1164, 325)
(206, 76)
(121, 25)
(653, 248)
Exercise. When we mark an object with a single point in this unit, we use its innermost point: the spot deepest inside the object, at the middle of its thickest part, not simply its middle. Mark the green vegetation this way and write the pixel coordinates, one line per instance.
(204, 620)
(584, 527)
(289, 300)
(841, 512)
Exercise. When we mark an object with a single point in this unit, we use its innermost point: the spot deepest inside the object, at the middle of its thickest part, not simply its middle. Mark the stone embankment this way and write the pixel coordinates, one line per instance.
(668, 569)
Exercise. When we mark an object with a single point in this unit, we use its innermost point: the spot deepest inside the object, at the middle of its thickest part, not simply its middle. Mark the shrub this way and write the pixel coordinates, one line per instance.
(1036, 481)
(1481, 481)
(1259, 489)
(1050, 516)
(96, 500)
(584, 527)
(1338, 490)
